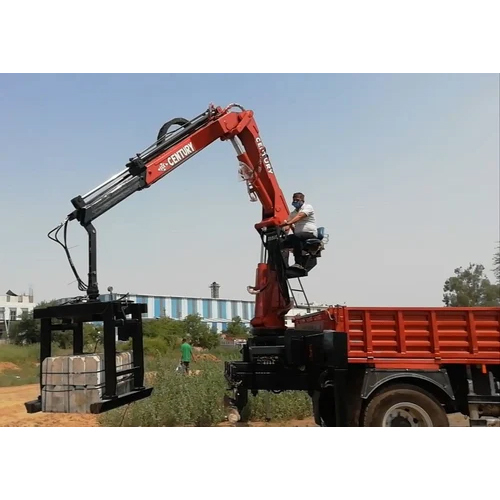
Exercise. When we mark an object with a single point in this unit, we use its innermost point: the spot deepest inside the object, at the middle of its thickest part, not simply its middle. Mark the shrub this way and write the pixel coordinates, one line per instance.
(199, 333)
(237, 329)
(177, 400)
(284, 406)
(167, 328)
(197, 400)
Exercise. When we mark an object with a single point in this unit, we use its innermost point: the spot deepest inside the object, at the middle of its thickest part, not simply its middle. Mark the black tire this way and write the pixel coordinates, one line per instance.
(245, 406)
(246, 412)
(415, 407)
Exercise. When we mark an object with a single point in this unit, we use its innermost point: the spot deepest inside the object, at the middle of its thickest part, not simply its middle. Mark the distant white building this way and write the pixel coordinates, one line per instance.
(12, 306)
(216, 312)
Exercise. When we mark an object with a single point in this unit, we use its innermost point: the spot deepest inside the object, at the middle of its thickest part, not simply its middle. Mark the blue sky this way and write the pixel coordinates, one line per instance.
(402, 170)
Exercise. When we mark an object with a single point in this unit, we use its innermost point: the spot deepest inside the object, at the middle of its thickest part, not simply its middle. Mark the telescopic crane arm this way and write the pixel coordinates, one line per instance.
(170, 151)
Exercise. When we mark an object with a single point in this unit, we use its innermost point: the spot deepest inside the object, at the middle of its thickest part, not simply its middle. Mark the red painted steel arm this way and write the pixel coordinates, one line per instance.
(173, 149)
(227, 126)
(271, 302)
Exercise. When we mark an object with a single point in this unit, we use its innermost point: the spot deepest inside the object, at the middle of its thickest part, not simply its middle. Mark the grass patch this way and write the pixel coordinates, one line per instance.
(197, 400)
(291, 405)
(18, 365)
(19, 354)
(177, 400)
(27, 375)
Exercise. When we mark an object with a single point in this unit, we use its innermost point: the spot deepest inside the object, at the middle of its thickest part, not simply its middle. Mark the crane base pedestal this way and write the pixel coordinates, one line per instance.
(121, 320)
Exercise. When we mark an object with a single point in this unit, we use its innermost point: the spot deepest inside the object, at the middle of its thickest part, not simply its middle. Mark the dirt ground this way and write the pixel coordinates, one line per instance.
(13, 413)
(8, 366)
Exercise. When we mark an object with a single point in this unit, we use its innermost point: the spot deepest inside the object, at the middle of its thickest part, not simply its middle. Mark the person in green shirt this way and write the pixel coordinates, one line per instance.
(186, 354)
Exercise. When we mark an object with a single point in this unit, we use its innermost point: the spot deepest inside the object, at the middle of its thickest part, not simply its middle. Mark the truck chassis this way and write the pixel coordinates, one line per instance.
(347, 394)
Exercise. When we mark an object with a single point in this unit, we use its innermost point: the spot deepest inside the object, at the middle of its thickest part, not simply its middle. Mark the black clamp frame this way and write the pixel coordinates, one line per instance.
(113, 314)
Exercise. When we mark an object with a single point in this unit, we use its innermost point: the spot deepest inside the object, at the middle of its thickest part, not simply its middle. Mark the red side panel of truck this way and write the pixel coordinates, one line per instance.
(413, 338)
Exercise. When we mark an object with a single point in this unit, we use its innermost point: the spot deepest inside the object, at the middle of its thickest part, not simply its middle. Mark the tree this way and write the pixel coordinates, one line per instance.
(199, 332)
(92, 336)
(166, 331)
(26, 331)
(162, 327)
(195, 328)
(496, 264)
(209, 340)
(470, 287)
(237, 328)
(63, 338)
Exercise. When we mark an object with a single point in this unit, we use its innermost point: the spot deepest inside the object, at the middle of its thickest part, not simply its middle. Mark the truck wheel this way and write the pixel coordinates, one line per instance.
(246, 412)
(404, 405)
(324, 408)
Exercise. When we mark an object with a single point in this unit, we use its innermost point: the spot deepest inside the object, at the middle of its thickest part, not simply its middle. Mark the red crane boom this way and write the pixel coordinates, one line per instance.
(171, 150)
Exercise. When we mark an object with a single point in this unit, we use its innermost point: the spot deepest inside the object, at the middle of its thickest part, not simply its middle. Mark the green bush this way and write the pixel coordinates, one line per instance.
(167, 328)
(197, 400)
(285, 406)
(156, 346)
(177, 400)
(199, 333)
(237, 329)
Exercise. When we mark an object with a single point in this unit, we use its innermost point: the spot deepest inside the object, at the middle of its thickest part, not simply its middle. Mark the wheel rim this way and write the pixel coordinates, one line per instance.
(406, 415)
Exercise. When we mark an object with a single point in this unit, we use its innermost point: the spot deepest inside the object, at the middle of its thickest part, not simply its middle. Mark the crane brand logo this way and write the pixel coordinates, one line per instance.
(264, 155)
(176, 157)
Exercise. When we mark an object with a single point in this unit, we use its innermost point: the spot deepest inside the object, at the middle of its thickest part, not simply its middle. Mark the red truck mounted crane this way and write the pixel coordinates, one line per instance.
(361, 366)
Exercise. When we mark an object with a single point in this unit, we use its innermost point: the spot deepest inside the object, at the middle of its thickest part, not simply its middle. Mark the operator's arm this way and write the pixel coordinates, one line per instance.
(295, 216)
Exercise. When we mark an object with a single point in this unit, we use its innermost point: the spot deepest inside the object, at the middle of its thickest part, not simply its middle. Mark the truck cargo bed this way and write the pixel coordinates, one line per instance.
(410, 337)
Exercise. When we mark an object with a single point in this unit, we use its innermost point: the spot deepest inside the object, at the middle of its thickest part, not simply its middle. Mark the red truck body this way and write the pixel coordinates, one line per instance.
(413, 338)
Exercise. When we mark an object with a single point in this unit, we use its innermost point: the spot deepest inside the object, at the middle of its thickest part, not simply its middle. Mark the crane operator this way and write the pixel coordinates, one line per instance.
(302, 221)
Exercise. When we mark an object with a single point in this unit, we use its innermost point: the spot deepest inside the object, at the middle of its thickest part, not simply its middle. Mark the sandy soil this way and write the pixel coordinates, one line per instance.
(8, 366)
(13, 413)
